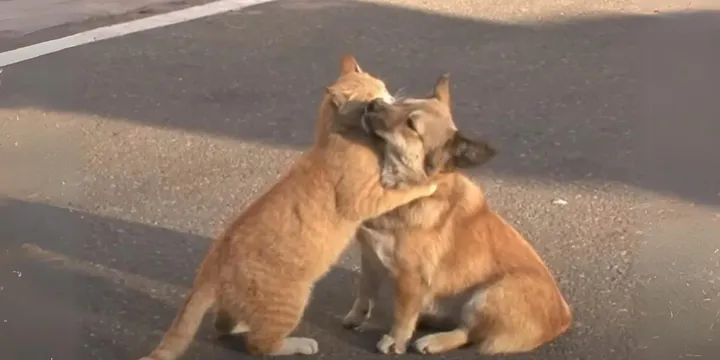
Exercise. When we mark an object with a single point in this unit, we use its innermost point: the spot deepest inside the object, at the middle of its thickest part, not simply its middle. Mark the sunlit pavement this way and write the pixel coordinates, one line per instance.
(119, 161)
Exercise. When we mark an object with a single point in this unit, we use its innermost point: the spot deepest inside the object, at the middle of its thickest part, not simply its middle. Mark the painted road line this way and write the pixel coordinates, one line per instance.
(108, 32)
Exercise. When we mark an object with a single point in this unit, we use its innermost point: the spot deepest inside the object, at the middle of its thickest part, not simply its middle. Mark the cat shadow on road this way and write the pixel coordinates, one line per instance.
(98, 281)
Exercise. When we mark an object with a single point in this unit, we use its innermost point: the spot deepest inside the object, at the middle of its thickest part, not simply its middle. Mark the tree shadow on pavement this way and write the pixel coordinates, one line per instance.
(622, 98)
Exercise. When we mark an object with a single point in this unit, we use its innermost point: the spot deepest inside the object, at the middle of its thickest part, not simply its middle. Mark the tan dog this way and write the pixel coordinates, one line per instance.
(455, 262)
(259, 273)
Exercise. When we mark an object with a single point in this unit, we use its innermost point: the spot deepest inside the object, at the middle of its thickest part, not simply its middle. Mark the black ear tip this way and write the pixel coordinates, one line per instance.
(484, 152)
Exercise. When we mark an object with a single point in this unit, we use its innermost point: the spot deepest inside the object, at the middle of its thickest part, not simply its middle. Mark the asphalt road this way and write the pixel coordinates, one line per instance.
(120, 160)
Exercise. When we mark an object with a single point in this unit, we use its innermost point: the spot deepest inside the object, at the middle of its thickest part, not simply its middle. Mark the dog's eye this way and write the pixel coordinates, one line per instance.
(410, 124)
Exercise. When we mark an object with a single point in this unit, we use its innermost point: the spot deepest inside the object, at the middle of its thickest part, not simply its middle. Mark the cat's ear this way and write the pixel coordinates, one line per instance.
(349, 65)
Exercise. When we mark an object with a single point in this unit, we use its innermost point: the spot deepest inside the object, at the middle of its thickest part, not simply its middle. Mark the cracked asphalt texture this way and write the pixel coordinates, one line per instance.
(120, 160)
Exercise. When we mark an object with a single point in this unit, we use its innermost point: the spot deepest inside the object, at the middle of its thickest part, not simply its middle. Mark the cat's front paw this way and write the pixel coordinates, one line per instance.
(431, 189)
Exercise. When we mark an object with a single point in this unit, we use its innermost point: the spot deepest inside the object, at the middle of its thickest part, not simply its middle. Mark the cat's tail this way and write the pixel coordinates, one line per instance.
(187, 321)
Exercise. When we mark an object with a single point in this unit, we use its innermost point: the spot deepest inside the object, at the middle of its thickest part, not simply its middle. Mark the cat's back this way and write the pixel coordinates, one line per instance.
(293, 224)
(302, 195)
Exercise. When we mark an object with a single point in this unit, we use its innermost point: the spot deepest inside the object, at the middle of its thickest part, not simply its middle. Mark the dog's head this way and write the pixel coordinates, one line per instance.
(421, 138)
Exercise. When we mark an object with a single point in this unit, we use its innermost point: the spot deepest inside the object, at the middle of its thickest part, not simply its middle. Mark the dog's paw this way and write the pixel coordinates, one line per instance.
(425, 345)
(366, 326)
(387, 345)
(357, 316)
(353, 320)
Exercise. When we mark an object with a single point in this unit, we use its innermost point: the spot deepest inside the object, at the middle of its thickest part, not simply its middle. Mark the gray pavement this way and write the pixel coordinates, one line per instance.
(121, 159)
(26, 16)
(27, 22)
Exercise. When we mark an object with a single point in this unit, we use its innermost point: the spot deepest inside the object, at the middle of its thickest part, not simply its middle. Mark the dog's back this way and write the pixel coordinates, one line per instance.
(451, 252)
(518, 305)
(485, 279)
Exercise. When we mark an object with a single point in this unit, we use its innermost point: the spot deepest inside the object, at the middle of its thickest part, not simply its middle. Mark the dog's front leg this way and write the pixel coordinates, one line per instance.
(410, 294)
(372, 274)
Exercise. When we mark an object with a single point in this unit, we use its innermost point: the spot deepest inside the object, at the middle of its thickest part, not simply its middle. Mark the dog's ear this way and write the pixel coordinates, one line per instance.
(337, 98)
(349, 65)
(461, 152)
(437, 160)
(442, 89)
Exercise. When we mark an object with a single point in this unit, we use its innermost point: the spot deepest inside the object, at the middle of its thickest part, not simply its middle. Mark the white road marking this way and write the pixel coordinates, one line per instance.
(107, 32)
